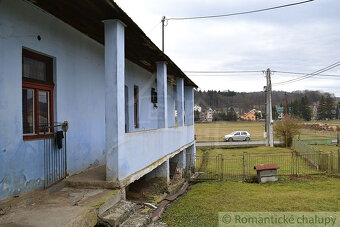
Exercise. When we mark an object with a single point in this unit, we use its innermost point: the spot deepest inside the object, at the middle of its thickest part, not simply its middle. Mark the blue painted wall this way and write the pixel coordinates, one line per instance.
(135, 75)
(79, 84)
(79, 99)
(140, 149)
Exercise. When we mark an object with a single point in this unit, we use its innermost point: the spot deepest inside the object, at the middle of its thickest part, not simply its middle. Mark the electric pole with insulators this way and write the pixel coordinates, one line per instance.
(269, 111)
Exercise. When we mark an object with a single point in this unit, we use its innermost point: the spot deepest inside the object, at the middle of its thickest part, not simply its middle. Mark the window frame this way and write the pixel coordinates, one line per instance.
(36, 86)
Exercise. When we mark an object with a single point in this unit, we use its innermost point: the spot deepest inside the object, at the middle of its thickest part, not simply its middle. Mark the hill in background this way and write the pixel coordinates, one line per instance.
(245, 101)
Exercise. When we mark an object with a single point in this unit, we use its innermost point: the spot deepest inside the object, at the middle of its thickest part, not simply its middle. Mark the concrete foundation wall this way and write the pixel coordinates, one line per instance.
(162, 172)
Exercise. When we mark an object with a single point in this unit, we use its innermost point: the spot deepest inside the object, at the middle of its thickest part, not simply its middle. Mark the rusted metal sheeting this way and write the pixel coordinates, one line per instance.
(266, 166)
(161, 207)
(87, 16)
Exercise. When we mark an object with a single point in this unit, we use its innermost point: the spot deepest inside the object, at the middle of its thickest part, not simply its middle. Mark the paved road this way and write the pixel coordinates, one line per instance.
(242, 143)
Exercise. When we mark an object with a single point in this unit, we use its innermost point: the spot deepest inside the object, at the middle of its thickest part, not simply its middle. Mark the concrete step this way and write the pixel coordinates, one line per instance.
(91, 178)
(118, 214)
(137, 220)
(158, 224)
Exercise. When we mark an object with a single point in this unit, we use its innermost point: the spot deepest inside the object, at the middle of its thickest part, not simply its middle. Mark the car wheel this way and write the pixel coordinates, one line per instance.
(230, 139)
(247, 139)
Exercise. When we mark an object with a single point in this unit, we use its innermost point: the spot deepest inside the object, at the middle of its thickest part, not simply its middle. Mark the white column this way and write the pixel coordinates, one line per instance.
(189, 105)
(114, 94)
(162, 94)
(180, 101)
(190, 156)
(162, 172)
(171, 105)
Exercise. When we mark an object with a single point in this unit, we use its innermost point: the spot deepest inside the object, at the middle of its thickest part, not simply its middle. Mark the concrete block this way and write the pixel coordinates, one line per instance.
(116, 215)
(137, 220)
(112, 201)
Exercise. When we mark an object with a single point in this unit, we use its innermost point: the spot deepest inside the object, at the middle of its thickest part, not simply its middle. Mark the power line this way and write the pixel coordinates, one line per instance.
(236, 71)
(301, 73)
(238, 13)
(308, 75)
(154, 27)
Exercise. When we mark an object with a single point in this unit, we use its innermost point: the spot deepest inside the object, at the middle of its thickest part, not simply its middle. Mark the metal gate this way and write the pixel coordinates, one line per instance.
(55, 155)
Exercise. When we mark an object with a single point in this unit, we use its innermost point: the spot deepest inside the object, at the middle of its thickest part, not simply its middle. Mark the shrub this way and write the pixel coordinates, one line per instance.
(286, 129)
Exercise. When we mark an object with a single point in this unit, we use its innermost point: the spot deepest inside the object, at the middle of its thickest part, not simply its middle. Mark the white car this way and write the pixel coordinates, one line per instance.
(237, 136)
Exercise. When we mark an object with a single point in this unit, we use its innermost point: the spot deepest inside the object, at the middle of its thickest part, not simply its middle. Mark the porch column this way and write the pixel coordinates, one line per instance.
(162, 172)
(171, 105)
(180, 101)
(162, 94)
(191, 156)
(189, 105)
(182, 159)
(114, 94)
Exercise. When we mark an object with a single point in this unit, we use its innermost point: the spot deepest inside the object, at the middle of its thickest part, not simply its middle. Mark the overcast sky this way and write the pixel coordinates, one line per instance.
(302, 38)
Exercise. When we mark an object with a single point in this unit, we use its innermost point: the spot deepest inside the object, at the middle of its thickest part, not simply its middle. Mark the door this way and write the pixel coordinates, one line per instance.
(237, 136)
(243, 136)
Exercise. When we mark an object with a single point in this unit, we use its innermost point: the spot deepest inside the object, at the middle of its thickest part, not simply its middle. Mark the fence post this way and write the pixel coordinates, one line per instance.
(338, 160)
(331, 159)
(244, 168)
(292, 166)
(221, 169)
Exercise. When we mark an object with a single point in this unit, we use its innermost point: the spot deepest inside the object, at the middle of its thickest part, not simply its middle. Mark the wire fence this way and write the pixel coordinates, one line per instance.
(241, 167)
(322, 154)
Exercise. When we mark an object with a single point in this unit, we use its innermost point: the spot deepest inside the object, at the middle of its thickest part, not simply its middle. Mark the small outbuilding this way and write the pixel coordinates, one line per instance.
(267, 172)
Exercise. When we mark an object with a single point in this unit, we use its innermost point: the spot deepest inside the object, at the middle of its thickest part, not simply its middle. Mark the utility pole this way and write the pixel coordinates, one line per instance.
(163, 24)
(269, 116)
(265, 112)
(286, 119)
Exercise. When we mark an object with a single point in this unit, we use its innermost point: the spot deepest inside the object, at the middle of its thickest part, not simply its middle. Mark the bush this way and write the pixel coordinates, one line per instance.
(287, 126)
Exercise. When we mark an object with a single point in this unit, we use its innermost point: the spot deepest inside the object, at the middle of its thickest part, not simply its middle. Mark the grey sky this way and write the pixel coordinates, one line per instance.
(301, 38)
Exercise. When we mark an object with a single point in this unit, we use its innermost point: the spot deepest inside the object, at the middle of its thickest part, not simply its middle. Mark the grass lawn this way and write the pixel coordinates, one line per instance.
(313, 134)
(232, 166)
(214, 131)
(208, 132)
(326, 147)
(201, 204)
(229, 152)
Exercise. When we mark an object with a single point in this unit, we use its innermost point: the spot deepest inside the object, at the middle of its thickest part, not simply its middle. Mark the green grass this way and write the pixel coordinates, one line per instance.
(306, 134)
(209, 132)
(232, 166)
(326, 147)
(215, 131)
(201, 204)
(229, 152)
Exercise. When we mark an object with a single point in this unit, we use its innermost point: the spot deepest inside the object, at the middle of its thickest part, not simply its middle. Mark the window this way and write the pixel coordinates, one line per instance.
(243, 133)
(237, 134)
(37, 94)
(136, 106)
